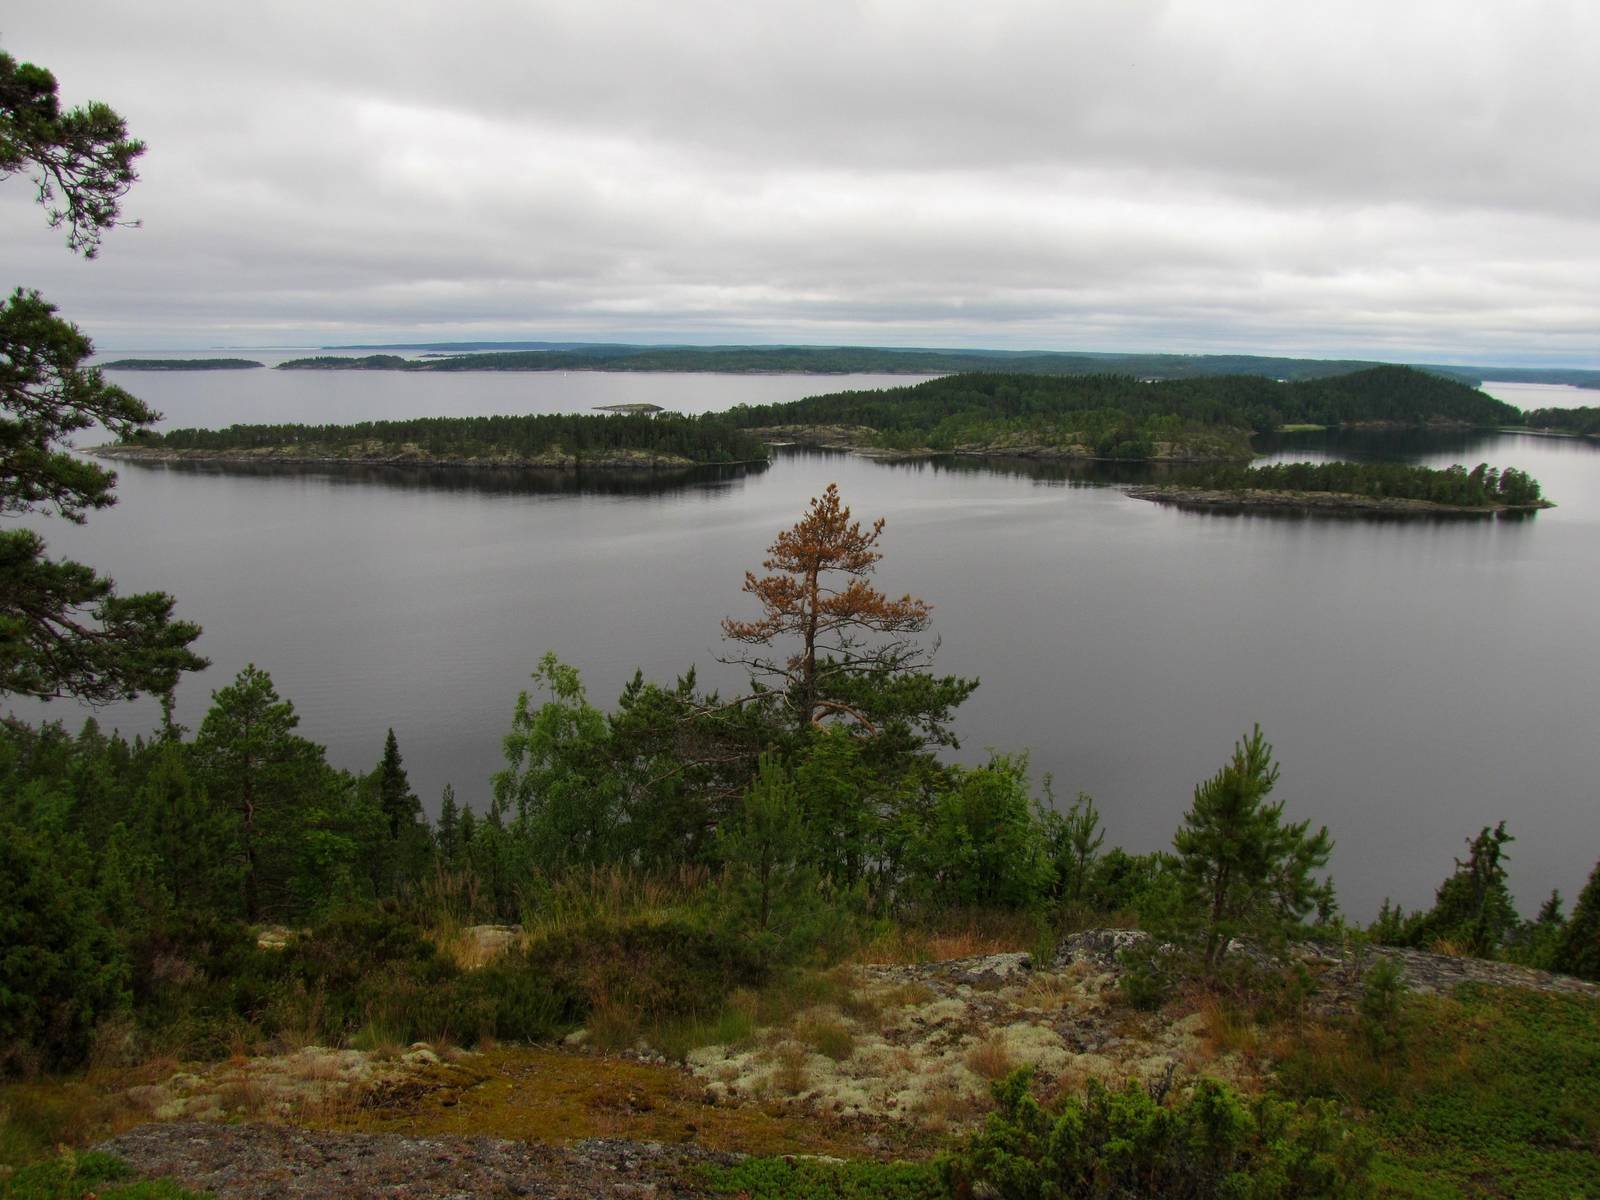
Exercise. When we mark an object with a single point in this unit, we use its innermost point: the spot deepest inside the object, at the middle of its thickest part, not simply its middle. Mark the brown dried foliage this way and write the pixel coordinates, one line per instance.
(804, 598)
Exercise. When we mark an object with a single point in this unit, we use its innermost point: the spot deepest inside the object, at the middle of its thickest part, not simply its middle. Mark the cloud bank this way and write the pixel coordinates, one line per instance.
(1363, 178)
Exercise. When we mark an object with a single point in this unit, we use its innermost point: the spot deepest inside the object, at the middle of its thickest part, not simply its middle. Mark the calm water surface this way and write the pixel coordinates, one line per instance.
(1418, 680)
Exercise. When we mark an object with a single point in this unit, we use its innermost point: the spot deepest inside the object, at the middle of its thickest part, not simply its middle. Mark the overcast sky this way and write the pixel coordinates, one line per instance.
(1392, 179)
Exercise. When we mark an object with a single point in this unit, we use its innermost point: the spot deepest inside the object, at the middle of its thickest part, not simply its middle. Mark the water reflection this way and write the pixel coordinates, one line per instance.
(508, 481)
(1468, 447)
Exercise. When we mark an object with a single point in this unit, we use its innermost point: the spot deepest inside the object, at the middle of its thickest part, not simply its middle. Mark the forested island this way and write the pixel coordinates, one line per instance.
(1396, 488)
(180, 364)
(626, 440)
(1118, 417)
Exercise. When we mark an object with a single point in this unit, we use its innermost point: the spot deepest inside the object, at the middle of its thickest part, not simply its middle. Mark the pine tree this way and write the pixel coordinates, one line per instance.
(249, 758)
(192, 839)
(63, 629)
(1243, 867)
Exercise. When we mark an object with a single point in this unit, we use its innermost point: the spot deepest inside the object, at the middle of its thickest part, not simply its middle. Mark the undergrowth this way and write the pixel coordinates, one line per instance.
(74, 1176)
(792, 1178)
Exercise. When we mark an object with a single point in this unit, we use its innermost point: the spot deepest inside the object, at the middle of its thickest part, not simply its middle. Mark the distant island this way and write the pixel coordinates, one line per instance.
(888, 360)
(1392, 488)
(180, 364)
(1106, 417)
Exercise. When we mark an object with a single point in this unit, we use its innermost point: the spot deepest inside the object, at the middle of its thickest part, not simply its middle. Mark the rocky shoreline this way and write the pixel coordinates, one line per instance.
(858, 440)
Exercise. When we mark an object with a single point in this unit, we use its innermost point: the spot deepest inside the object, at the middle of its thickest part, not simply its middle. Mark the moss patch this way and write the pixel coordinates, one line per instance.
(548, 1095)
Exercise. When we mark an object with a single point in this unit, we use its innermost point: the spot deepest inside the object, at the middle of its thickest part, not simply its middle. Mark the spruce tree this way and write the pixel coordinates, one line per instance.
(400, 805)
(1472, 909)
(1579, 952)
(449, 828)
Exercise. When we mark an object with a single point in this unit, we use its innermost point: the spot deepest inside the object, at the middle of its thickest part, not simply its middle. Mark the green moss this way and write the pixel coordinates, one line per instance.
(544, 1095)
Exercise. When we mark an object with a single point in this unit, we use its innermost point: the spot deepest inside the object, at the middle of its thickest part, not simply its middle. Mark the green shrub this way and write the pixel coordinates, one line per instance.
(513, 999)
(653, 967)
(367, 967)
(1123, 1144)
(1383, 994)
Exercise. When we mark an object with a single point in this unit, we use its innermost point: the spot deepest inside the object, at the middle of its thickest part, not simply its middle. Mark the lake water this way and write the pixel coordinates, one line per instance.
(1418, 679)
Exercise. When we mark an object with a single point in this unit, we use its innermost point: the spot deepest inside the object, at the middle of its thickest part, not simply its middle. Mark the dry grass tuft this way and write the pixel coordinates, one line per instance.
(789, 1076)
(948, 1106)
(1049, 992)
(990, 1058)
(956, 934)
(613, 1025)
(1229, 1029)
(825, 1034)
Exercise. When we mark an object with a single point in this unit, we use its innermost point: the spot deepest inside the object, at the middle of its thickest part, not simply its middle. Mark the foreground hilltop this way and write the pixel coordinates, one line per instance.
(891, 1061)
